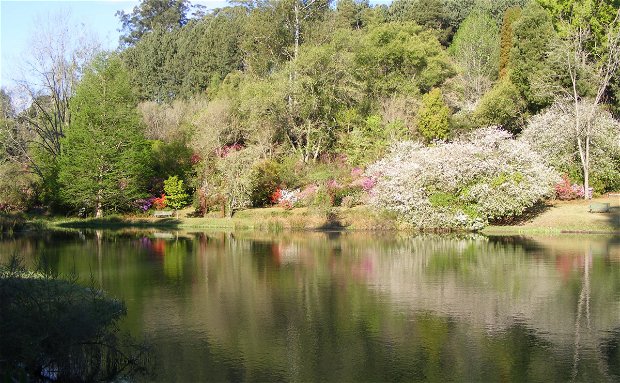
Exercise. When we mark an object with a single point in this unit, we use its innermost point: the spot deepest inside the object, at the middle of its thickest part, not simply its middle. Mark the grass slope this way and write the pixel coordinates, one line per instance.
(567, 216)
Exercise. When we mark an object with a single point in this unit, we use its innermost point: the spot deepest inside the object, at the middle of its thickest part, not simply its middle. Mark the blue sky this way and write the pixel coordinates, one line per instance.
(17, 24)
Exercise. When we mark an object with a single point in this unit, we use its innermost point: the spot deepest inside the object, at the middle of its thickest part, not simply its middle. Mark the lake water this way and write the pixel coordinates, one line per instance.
(356, 306)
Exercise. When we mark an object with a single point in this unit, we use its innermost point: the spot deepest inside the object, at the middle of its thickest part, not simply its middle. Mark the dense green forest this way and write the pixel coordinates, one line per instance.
(449, 113)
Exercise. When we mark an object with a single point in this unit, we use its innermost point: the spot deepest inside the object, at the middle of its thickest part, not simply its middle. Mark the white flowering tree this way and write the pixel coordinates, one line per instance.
(484, 176)
(552, 135)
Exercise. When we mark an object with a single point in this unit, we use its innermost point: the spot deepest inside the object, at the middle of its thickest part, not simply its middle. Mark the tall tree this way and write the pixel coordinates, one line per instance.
(150, 15)
(583, 72)
(533, 34)
(209, 49)
(153, 66)
(53, 66)
(352, 13)
(401, 58)
(475, 50)
(324, 83)
(511, 15)
(104, 153)
(276, 29)
(7, 125)
(430, 14)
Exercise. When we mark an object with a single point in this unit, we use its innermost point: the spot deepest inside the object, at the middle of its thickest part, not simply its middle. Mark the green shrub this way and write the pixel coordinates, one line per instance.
(502, 106)
(322, 202)
(433, 117)
(176, 195)
(265, 181)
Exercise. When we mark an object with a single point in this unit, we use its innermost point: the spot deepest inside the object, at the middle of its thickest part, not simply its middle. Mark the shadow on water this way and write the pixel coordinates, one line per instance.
(333, 223)
(118, 223)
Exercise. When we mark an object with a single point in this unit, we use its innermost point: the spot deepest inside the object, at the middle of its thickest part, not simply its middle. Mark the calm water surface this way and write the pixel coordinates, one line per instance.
(356, 307)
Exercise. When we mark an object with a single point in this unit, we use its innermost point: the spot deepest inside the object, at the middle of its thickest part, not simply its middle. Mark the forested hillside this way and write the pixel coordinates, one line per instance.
(450, 113)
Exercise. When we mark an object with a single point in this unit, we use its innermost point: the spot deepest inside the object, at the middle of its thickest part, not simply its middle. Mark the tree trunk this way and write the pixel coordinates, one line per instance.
(297, 31)
(99, 210)
(586, 170)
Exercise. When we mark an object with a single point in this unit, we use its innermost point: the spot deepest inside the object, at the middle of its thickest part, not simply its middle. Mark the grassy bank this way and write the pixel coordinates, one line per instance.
(556, 217)
(559, 217)
(265, 219)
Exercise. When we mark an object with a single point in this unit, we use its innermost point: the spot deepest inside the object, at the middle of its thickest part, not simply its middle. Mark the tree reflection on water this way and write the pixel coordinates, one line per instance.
(359, 306)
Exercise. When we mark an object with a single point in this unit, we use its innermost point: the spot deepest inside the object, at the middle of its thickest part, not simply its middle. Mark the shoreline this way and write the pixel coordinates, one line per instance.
(557, 218)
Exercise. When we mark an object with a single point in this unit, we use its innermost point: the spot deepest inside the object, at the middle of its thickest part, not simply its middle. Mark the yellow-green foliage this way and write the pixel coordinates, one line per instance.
(433, 121)
(176, 195)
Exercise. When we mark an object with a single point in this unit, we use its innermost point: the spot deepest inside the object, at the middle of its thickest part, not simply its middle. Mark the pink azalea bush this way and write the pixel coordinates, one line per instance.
(564, 190)
(463, 184)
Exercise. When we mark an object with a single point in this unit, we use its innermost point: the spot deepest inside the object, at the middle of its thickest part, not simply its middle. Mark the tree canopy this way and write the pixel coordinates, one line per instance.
(309, 92)
(103, 164)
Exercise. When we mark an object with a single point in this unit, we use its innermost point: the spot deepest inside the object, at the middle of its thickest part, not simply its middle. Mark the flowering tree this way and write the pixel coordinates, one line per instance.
(551, 135)
(585, 63)
(484, 176)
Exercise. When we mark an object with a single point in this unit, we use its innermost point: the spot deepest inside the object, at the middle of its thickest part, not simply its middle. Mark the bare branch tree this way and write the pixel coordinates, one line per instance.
(51, 70)
(583, 76)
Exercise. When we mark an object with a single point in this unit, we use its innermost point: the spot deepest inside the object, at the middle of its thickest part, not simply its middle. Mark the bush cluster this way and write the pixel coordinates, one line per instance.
(464, 184)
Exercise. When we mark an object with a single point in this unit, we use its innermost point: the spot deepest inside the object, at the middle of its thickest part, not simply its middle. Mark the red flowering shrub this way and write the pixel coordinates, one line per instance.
(275, 196)
(160, 203)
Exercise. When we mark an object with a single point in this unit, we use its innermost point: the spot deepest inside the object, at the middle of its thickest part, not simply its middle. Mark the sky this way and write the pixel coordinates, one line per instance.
(18, 25)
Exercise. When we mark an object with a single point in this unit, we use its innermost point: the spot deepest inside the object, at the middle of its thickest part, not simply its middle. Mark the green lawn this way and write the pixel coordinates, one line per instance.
(567, 216)
(557, 217)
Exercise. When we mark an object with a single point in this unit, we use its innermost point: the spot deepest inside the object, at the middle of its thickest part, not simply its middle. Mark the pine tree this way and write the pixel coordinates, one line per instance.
(104, 156)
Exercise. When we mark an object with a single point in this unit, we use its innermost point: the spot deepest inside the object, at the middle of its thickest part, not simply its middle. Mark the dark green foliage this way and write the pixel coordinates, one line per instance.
(614, 96)
(352, 13)
(209, 49)
(153, 67)
(532, 33)
(433, 117)
(506, 39)
(401, 58)
(502, 106)
(430, 14)
(53, 326)
(104, 161)
(11, 223)
(169, 159)
(169, 64)
(150, 15)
